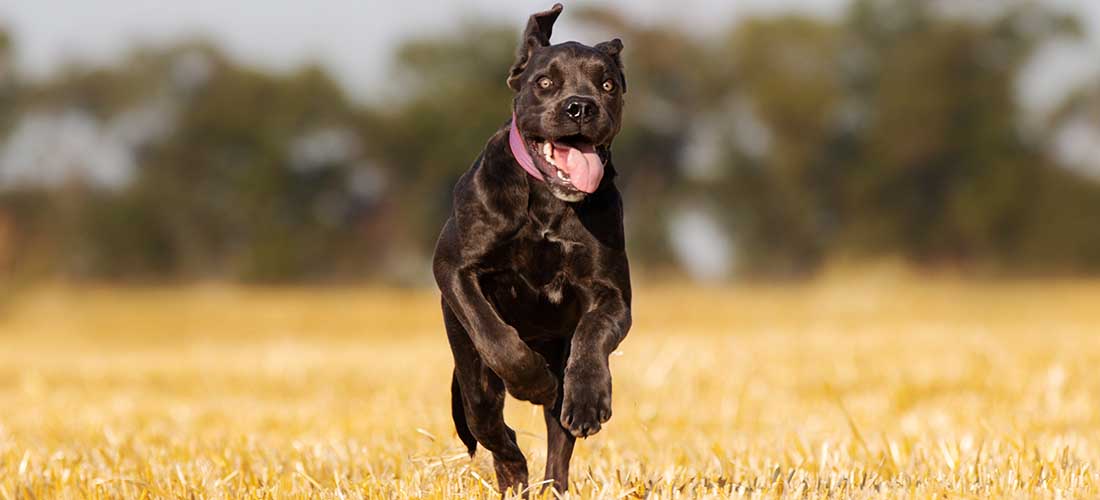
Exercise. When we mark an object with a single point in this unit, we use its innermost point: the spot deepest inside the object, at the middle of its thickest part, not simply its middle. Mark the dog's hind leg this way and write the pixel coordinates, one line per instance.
(559, 442)
(482, 397)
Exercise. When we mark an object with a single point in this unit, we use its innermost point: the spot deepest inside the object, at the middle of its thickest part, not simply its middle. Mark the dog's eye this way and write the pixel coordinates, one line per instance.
(608, 86)
(545, 82)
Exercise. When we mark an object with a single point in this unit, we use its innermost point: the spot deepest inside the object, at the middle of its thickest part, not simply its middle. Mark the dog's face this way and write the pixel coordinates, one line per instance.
(568, 105)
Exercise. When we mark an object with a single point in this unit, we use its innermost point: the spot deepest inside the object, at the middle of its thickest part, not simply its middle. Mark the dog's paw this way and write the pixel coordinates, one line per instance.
(587, 402)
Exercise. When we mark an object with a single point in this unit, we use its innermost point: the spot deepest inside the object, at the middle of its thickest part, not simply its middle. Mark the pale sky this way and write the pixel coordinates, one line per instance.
(354, 38)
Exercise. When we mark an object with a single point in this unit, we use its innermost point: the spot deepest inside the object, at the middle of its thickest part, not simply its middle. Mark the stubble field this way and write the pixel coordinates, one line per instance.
(861, 388)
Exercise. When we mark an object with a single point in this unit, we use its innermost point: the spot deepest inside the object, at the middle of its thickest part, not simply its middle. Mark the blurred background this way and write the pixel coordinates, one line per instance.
(290, 142)
(865, 236)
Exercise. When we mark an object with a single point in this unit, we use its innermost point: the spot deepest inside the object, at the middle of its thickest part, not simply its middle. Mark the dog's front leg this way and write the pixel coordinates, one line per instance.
(587, 399)
(524, 372)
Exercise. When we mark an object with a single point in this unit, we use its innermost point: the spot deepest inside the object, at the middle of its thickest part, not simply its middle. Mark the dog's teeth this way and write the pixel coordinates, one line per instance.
(561, 175)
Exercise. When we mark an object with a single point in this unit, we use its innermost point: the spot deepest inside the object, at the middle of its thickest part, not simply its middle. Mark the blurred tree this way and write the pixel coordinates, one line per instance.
(454, 97)
(243, 173)
(783, 194)
(893, 130)
(255, 180)
(944, 174)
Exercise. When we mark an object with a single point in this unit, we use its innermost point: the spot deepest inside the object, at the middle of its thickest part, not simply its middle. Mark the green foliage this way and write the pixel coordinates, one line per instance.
(893, 131)
(455, 98)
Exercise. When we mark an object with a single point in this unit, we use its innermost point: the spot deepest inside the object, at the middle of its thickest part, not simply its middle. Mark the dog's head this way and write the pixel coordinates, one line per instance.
(568, 105)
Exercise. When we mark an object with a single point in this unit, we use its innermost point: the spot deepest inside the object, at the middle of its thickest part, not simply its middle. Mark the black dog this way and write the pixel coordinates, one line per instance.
(531, 263)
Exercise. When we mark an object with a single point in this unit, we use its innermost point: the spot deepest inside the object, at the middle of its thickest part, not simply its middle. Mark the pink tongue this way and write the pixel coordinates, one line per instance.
(582, 165)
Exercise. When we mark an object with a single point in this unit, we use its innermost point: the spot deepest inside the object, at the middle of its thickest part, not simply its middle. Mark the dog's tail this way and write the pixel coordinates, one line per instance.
(459, 415)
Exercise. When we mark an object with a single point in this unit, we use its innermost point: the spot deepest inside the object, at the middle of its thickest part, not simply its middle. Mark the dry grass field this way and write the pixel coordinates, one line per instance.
(844, 388)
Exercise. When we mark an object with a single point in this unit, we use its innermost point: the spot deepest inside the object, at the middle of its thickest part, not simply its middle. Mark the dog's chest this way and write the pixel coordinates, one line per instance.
(547, 253)
(547, 258)
(534, 285)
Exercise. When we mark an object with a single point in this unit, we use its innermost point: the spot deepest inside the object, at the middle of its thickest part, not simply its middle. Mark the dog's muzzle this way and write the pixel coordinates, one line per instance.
(577, 166)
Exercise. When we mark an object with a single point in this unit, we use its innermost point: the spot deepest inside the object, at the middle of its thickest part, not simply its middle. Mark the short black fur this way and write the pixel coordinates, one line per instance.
(534, 274)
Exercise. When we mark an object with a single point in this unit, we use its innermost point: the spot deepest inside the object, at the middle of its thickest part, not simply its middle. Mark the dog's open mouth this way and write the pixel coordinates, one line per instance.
(570, 162)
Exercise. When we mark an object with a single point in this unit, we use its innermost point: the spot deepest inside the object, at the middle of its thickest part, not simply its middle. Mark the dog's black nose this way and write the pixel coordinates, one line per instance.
(580, 109)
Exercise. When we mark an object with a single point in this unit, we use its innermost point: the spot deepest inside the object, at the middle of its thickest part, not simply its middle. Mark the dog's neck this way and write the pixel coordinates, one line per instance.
(519, 151)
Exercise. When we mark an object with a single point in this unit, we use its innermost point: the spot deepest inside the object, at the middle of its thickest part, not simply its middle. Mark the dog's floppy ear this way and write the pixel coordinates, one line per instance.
(536, 35)
(614, 48)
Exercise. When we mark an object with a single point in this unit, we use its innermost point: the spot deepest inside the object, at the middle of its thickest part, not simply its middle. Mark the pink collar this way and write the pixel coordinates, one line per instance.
(519, 151)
